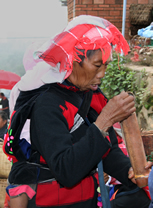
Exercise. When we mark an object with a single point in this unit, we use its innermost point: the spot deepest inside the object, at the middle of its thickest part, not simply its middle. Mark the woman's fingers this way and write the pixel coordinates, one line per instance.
(122, 106)
(131, 175)
(149, 165)
(117, 109)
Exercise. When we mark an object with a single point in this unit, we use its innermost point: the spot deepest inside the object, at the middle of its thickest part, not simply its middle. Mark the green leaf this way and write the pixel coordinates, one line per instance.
(114, 87)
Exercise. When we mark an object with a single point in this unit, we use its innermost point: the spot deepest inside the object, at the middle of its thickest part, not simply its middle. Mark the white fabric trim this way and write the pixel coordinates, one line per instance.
(118, 131)
(78, 120)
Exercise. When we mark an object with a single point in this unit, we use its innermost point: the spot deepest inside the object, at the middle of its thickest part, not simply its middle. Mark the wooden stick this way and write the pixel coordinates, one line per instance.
(134, 144)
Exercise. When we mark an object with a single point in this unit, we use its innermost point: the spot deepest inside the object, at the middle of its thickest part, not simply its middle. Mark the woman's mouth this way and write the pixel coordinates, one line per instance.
(94, 87)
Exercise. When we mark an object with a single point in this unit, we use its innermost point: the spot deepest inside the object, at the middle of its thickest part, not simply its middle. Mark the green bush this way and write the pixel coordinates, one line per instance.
(118, 78)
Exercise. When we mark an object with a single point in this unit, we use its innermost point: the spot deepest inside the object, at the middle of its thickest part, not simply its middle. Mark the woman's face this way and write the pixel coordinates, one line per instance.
(88, 75)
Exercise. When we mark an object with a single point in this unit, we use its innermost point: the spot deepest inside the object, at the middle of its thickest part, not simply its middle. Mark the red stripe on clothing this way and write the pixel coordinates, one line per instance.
(57, 196)
(98, 102)
(69, 113)
(42, 160)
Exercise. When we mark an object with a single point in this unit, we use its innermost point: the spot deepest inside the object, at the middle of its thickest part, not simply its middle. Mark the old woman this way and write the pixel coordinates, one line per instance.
(70, 120)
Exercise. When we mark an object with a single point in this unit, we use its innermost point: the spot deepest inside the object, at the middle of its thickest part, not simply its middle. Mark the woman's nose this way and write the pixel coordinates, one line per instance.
(101, 72)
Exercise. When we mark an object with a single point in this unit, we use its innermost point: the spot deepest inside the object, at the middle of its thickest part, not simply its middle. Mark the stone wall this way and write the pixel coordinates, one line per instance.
(109, 9)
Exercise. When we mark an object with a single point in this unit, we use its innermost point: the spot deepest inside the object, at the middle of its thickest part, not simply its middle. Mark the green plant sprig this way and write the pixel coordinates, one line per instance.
(118, 78)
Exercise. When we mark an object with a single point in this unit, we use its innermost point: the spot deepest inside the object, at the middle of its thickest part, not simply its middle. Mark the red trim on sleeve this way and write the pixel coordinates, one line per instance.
(98, 102)
(69, 113)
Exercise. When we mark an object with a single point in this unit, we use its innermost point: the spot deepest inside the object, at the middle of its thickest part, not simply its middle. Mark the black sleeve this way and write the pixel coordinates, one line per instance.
(116, 164)
(69, 163)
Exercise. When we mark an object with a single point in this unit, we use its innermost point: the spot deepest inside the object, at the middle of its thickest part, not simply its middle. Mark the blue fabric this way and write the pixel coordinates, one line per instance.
(103, 190)
(111, 191)
(25, 147)
(9, 187)
(146, 32)
(150, 184)
(99, 198)
(104, 193)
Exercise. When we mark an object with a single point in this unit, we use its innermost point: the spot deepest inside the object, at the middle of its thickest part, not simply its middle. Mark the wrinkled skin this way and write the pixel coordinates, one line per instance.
(117, 109)
(87, 76)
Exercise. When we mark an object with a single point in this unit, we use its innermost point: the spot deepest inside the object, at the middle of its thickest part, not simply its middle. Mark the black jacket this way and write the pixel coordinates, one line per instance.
(71, 154)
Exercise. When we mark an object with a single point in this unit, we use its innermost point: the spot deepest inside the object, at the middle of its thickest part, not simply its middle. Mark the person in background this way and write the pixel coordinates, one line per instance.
(5, 104)
(3, 124)
(71, 120)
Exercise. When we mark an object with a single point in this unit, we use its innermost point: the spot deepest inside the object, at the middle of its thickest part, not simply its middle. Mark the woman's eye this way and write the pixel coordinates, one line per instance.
(98, 66)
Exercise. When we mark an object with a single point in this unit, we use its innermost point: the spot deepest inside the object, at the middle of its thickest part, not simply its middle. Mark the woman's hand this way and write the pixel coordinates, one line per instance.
(106, 177)
(131, 172)
(131, 175)
(149, 165)
(117, 109)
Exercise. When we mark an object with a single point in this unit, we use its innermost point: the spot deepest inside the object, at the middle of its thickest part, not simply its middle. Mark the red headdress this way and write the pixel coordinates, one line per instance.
(83, 32)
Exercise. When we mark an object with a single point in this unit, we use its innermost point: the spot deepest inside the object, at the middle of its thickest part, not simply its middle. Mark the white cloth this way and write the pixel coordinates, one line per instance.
(25, 133)
(41, 74)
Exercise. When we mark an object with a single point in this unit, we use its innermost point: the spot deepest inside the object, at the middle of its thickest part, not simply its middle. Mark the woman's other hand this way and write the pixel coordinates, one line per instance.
(131, 172)
(106, 177)
(149, 165)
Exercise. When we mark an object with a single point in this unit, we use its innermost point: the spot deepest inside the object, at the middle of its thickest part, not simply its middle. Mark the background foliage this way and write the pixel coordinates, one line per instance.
(119, 78)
